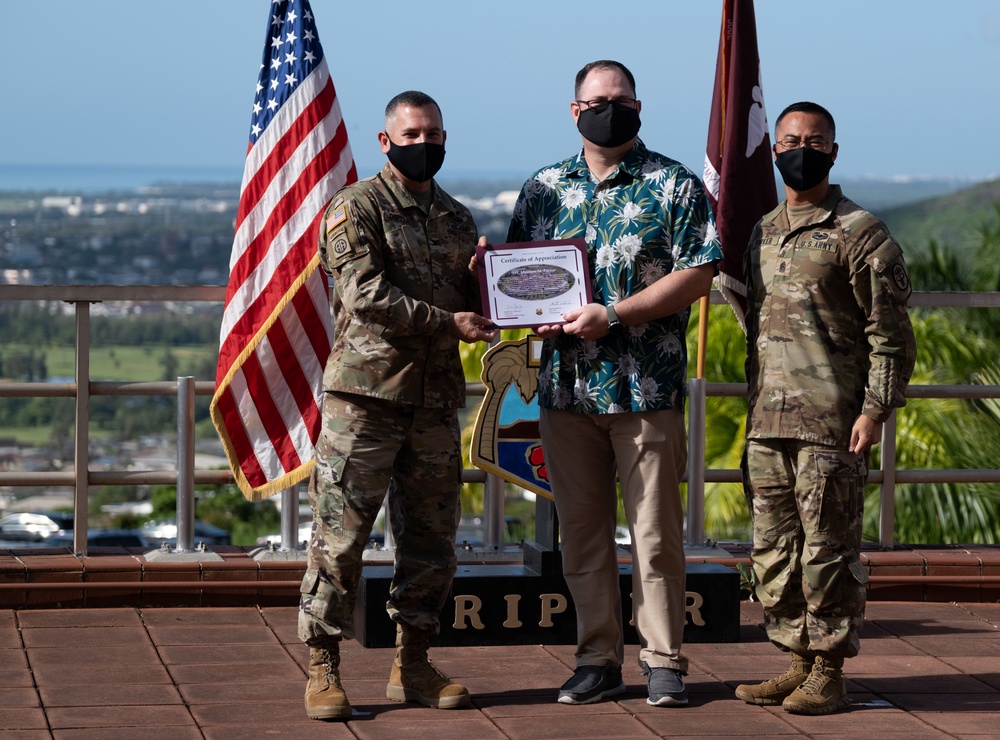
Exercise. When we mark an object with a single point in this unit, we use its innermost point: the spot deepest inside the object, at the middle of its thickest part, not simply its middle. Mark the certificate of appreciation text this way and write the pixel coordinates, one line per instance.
(533, 283)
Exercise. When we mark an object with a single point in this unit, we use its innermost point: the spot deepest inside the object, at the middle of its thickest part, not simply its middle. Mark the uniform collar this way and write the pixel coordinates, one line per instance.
(824, 209)
(405, 198)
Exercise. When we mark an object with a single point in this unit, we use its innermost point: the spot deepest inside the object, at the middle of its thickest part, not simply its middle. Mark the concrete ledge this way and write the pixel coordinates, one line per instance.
(43, 578)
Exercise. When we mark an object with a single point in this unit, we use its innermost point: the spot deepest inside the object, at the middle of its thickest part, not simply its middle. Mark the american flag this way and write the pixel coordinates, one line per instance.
(739, 175)
(276, 328)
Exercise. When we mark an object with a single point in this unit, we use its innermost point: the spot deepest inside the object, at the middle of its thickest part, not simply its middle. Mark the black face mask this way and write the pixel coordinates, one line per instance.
(609, 127)
(417, 162)
(803, 168)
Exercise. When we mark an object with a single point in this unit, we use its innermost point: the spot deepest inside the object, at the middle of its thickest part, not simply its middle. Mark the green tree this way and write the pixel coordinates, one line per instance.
(170, 365)
(956, 346)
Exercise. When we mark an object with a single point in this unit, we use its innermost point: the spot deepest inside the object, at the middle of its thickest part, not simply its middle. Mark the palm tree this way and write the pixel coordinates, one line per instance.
(955, 346)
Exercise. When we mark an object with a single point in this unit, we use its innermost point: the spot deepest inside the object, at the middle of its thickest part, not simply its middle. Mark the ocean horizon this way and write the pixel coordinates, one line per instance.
(66, 179)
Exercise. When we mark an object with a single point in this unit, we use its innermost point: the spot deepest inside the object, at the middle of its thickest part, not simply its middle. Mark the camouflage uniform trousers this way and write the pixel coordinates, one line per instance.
(369, 447)
(806, 502)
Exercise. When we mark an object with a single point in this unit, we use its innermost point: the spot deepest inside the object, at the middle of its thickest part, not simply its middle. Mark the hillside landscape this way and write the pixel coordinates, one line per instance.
(954, 221)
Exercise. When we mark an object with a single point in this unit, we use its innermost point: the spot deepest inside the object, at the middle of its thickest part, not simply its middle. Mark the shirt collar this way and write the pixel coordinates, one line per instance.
(630, 165)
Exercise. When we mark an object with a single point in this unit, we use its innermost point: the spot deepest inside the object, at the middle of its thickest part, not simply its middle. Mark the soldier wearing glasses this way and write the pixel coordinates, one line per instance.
(830, 350)
(612, 386)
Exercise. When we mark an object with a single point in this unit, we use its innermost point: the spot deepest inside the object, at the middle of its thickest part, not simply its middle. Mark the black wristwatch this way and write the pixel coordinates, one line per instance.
(612, 316)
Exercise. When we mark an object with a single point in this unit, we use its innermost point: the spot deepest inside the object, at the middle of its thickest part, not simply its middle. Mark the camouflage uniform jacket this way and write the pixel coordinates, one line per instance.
(399, 275)
(828, 335)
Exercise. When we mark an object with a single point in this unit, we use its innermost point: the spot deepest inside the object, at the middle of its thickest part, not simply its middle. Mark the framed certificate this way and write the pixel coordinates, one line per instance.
(533, 283)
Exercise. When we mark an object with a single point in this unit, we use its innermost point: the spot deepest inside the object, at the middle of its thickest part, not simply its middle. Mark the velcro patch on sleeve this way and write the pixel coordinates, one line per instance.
(342, 240)
(887, 261)
(336, 218)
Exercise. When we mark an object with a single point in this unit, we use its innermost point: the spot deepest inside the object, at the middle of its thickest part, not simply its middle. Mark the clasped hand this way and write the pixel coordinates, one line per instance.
(588, 322)
(471, 327)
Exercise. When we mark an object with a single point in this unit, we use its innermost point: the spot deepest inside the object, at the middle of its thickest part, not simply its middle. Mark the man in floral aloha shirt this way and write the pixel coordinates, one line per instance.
(612, 381)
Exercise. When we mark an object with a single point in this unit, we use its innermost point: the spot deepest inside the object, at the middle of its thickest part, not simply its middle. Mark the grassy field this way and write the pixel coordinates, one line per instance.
(29, 436)
(120, 362)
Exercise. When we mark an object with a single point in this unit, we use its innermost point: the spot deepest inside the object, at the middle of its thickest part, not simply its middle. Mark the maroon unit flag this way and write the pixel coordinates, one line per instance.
(739, 173)
(276, 328)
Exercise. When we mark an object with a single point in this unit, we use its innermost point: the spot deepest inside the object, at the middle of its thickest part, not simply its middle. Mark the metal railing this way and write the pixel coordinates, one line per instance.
(82, 477)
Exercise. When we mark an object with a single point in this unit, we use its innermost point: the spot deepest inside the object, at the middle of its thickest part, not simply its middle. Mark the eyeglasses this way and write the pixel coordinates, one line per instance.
(794, 142)
(599, 104)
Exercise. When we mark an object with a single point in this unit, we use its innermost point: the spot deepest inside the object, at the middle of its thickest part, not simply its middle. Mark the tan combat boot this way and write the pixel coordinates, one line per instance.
(823, 692)
(776, 690)
(325, 698)
(413, 678)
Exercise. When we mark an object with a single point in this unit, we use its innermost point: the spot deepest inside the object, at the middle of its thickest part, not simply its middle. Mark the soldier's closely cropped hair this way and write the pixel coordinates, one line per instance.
(806, 107)
(412, 98)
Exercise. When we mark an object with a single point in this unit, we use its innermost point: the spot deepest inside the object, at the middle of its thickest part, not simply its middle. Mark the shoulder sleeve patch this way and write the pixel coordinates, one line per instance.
(887, 261)
(342, 241)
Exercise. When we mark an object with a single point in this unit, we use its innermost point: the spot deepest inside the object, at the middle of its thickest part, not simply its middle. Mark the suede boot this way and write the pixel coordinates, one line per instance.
(776, 690)
(325, 698)
(413, 678)
(823, 692)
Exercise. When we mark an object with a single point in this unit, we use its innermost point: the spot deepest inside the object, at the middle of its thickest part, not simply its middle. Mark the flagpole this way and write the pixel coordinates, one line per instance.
(699, 372)
(696, 436)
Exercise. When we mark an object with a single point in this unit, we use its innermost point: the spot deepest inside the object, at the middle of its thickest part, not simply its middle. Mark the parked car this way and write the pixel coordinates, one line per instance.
(158, 531)
(101, 538)
(33, 526)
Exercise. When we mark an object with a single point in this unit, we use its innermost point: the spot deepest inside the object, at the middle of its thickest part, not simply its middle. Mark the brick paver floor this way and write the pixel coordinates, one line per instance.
(926, 670)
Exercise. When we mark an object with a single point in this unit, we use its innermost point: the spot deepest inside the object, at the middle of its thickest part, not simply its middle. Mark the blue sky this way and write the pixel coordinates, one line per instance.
(912, 83)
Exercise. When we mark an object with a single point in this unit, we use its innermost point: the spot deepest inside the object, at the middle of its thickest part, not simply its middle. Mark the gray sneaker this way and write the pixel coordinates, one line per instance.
(666, 687)
(592, 683)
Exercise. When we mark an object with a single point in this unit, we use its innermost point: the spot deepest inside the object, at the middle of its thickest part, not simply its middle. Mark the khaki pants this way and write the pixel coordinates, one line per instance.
(647, 450)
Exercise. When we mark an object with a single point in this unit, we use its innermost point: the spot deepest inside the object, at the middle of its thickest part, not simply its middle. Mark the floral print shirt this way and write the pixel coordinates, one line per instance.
(648, 218)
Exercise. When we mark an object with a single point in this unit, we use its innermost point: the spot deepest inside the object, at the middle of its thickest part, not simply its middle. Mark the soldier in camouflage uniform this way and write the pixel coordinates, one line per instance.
(830, 351)
(398, 248)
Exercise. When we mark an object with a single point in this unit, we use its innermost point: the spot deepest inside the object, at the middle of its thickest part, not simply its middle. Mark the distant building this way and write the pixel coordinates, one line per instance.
(15, 277)
(71, 204)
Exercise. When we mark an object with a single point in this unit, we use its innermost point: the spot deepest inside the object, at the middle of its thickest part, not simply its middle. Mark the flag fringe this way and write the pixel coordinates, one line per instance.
(730, 288)
(259, 493)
